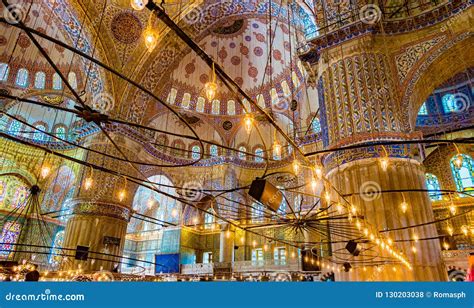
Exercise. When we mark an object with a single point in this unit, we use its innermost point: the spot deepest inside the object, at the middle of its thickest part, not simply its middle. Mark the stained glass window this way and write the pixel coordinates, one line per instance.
(209, 219)
(297, 203)
(22, 77)
(316, 126)
(259, 155)
(282, 208)
(449, 103)
(242, 155)
(72, 79)
(464, 176)
(432, 184)
(214, 151)
(172, 96)
(186, 100)
(8, 237)
(15, 128)
(56, 250)
(231, 107)
(40, 80)
(60, 132)
(37, 135)
(57, 82)
(200, 104)
(4, 70)
(257, 212)
(257, 255)
(196, 152)
(423, 110)
(216, 106)
(276, 155)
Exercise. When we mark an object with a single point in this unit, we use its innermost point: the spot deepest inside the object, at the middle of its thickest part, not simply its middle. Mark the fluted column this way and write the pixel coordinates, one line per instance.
(359, 103)
(226, 245)
(100, 213)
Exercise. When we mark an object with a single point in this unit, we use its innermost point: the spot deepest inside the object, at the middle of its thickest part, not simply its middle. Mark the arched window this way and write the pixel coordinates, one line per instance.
(216, 106)
(196, 152)
(57, 82)
(60, 132)
(242, 155)
(185, 103)
(214, 150)
(464, 176)
(276, 156)
(4, 70)
(200, 104)
(172, 96)
(40, 80)
(15, 128)
(209, 219)
(177, 148)
(22, 78)
(432, 184)
(257, 212)
(231, 107)
(259, 155)
(316, 126)
(72, 79)
(9, 236)
(282, 208)
(56, 251)
(449, 103)
(37, 135)
(297, 203)
(423, 110)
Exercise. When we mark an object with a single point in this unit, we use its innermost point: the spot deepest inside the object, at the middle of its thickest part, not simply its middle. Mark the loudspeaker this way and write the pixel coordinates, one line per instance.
(267, 194)
(32, 276)
(347, 266)
(309, 262)
(82, 253)
(353, 248)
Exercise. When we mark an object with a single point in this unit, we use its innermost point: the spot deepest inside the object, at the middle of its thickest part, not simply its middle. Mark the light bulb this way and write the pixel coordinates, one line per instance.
(404, 207)
(174, 213)
(458, 161)
(248, 122)
(138, 4)
(415, 238)
(413, 248)
(327, 196)
(88, 183)
(464, 230)
(296, 166)
(450, 230)
(211, 90)
(358, 224)
(150, 203)
(366, 232)
(227, 234)
(122, 195)
(151, 39)
(339, 208)
(452, 209)
(353, 209)
(195, 220)
(277, 148)
(445, 246)
(319, 172)
(390, 242)
(314, 184)
(45, 170)
(384, 163)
